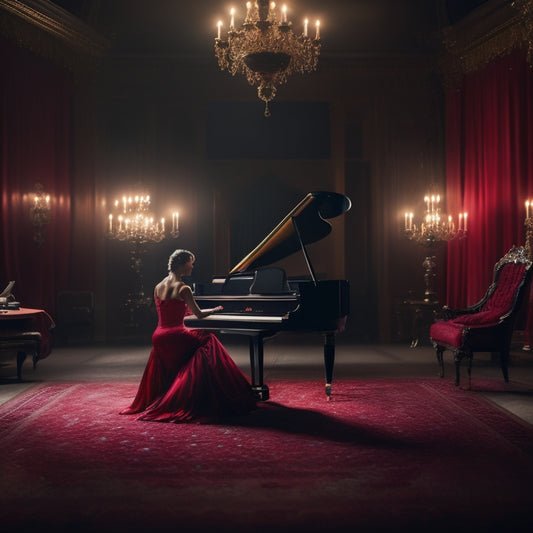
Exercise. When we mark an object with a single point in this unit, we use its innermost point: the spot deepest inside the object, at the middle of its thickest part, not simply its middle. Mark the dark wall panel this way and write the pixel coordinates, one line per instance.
(295, 130)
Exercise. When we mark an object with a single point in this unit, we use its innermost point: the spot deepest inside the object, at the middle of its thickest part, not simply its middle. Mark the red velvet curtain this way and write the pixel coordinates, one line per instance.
(489, 151)
(35, 114)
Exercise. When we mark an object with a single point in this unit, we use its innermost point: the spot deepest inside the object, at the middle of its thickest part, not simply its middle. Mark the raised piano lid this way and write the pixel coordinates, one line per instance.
(309, 216)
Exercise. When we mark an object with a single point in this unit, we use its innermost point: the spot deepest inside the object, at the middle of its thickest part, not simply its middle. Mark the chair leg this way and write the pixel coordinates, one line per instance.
(469, 370)
(504, 362)
(440, 351)
(457, 359)
(21, 357)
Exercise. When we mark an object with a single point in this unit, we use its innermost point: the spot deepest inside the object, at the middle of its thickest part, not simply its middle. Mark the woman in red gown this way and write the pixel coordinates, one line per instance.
(189, 375)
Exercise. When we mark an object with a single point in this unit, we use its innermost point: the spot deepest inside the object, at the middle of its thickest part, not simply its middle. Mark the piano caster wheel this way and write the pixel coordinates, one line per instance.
(328, 392)
(261, 393)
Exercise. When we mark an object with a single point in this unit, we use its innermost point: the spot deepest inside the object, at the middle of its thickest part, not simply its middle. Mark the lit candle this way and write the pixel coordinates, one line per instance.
(527, 209)
(248, 7)
(232, 22)
(306, 22)
(163, 224)
(120, 223)
(110, 223)
(284, 14)
(317, 30)
(465, 218)
(449, 223)
(47, 200)
(410, 221)
(426, 199)
(219, 25)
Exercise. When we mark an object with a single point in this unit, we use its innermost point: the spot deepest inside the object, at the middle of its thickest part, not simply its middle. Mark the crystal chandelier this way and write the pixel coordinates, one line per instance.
(265, 49)
(133, 221)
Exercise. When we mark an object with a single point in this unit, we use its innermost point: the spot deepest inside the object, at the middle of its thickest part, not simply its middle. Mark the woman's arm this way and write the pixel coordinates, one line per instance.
(186, 294)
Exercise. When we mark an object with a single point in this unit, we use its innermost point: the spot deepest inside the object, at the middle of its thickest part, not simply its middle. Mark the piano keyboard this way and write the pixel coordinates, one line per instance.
(239, 318)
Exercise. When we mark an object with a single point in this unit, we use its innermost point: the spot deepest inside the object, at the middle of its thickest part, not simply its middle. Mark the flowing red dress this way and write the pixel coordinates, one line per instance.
(189, 375)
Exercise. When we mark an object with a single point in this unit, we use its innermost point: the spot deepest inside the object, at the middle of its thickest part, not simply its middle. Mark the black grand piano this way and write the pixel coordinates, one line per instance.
(260, 301)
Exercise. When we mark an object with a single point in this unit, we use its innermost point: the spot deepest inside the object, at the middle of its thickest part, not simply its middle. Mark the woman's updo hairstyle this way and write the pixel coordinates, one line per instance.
(178, 258)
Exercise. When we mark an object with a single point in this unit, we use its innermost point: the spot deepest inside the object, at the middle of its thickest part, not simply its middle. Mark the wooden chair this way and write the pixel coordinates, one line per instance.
(488, 325)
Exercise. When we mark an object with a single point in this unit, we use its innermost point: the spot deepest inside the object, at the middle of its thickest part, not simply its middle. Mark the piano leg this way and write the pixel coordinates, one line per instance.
(329, 360)
(256, 363)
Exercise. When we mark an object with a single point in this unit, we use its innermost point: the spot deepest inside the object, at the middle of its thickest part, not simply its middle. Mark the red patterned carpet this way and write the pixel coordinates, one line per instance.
(381, 456)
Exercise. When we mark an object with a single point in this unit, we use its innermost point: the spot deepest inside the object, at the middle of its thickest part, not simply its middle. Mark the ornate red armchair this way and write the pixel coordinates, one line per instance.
(488, 325)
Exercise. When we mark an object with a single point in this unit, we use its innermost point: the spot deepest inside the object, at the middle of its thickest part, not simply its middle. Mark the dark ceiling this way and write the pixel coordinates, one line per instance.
(188, 26)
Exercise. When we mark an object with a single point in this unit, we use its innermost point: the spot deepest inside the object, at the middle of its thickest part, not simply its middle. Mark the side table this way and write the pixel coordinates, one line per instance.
(423, 314)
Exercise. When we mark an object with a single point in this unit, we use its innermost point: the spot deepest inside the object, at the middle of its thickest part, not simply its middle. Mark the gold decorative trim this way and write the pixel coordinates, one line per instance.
(49, 30)
(526, 9)
(488, 33)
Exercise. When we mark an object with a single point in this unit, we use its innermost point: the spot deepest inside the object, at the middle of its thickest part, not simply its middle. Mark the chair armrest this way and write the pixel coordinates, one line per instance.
(449, 314)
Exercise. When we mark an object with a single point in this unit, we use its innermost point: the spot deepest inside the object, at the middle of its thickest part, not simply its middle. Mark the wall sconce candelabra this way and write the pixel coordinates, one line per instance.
(40, 213)
(528, 223)
(434, 229)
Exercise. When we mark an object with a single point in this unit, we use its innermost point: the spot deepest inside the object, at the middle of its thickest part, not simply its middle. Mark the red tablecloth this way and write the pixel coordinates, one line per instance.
(26, 319)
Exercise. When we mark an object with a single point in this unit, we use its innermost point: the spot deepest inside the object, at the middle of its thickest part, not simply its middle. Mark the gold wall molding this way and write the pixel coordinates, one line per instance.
(493, 30)
(525, 7)
(50, 31)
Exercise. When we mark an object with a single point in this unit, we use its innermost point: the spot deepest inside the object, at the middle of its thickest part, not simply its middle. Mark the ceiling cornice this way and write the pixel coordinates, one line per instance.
(45, 28)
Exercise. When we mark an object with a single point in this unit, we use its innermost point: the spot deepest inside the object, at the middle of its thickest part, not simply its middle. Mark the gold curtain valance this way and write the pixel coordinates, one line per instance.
(492, 31)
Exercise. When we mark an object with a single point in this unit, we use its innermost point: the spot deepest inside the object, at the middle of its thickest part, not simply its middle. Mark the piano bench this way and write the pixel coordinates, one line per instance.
(22, 344)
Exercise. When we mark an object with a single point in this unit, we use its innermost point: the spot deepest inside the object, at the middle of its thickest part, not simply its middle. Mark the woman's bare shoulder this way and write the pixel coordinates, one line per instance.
(184, 289)
(168, 290)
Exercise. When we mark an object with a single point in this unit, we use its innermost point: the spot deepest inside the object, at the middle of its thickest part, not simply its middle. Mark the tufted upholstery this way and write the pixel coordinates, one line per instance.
(488, 325)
